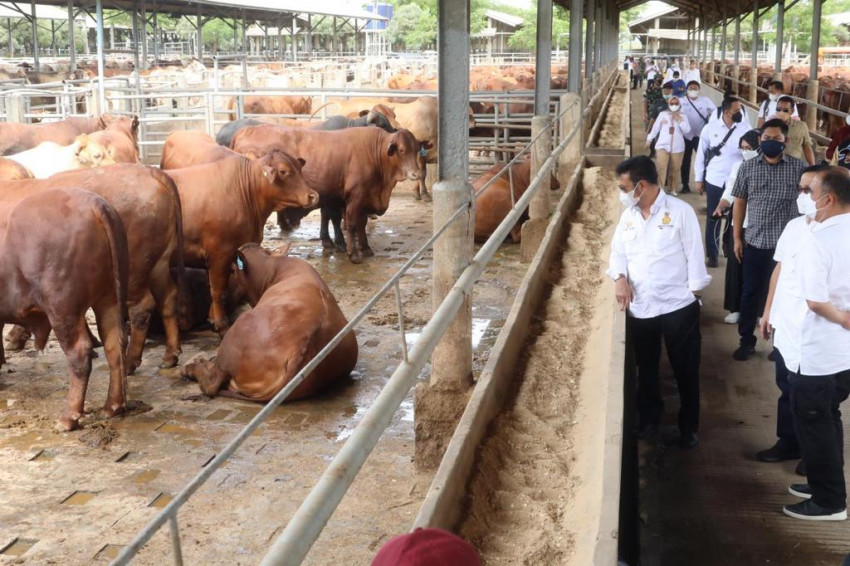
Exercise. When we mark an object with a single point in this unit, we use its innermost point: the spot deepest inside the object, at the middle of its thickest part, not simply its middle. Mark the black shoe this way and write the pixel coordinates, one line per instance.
(685, 190)
(779, 452)
(712, 262)
(688, 441)
(647, 431)
(810, 511)
(744, 351)
(801, 469)
(801, 490)
(772, 355)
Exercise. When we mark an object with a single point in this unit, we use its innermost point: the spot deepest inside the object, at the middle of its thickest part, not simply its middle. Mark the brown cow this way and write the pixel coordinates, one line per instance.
(55, 267)
(149, 206)
(353, 170)
(494, 204)
(15, 137)
(271, 105)
(185, 148)
(294, 316)
(118, 143)
(12, 170)
(226, 204)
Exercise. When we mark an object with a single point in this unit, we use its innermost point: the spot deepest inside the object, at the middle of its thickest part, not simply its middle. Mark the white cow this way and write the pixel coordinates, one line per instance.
(48, 158)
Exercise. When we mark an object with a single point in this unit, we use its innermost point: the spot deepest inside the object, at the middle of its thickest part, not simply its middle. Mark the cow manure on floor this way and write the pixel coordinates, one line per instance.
(98, 435)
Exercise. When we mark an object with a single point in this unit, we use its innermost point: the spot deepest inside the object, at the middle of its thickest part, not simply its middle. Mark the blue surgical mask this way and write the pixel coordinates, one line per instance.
(667, 96)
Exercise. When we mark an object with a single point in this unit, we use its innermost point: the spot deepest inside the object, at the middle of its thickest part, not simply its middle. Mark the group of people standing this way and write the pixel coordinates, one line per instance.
(786, 265)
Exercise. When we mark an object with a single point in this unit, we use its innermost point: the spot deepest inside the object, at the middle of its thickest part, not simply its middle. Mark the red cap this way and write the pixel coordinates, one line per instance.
(427, 547)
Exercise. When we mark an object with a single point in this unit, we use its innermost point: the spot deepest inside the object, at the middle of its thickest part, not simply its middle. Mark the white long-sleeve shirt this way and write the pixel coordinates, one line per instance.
(789, 308)
(694, 110)
(730, 184)
(718, 168)
(662, 257)
(670, 70)
(767, 109)
(672, 143)
(692, 75)
(651, 71)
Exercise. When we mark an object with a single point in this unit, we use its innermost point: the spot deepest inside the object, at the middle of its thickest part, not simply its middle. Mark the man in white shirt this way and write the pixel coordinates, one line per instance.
(697, 109)
(692, 73)
(652, 70)
(821, 380)
(657, 262)
(767, 109)
(672, 68)
(784, 312)
(717, 152)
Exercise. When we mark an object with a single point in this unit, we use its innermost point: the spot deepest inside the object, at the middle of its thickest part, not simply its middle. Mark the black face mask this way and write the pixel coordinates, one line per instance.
(737, 117)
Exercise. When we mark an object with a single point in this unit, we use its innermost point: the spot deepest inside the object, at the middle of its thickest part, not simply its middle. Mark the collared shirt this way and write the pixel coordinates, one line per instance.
(692, 75)
(670, 70)
(679, 87)
(797, 139)
(771, 194)
(789, 307)
(651, 71)
(768, 109)
(698, 112)
(662, 257)
(824, 345)
(718, 168)
(717, 116)
(672, 143)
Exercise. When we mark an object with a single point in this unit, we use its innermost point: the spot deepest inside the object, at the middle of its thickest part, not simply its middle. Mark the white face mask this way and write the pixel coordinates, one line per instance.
(674, 108)
(749, 154)
(847, 120)
(773, 97)
(629, 199)
(694, 94)
(805, 205)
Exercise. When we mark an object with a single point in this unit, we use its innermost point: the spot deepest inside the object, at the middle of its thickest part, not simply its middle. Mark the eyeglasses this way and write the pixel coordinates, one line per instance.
(786, 110)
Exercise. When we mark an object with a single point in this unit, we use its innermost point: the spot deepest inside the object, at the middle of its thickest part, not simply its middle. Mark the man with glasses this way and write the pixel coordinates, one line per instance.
(766, 191)
(768, 107)
(799, 143)
(783, 315)
(658, 265)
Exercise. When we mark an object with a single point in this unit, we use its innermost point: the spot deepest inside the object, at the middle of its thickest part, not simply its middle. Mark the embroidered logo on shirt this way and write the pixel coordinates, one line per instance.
(666, 222)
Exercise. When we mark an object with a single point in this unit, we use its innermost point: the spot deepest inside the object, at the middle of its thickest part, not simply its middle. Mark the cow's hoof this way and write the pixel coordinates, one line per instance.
(132, 366)
(327, 244)
(328, 252)
(94, 354)
(341, 247)
(67, 424)
(356, 258)
(426, 197)
(168, 361)
(367, 252)
(113, 410)
(417, 196)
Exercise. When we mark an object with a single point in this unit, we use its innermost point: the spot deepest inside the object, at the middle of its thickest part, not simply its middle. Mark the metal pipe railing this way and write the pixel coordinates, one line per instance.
(391, 390)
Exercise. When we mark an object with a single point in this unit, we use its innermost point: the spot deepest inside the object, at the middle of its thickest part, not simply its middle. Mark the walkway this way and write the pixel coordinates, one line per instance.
(717, 505)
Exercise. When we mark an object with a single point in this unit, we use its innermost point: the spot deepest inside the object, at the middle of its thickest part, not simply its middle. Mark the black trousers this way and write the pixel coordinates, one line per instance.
(784, 416)
(734, 277)
(758, 266)
(690, 147)
(681, 333)
(815, 401)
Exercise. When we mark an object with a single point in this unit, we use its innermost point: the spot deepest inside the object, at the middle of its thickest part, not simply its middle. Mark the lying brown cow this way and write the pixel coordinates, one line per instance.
(494, 204)
(12, 170)
(294, 316)
(185, 148)
(149, 206)
(15, 138)
(353, 170)
(226, 204)
(55, 267)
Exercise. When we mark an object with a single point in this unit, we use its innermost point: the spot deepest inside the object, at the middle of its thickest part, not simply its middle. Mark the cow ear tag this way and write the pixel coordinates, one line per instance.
(422, 151)
(240, 264)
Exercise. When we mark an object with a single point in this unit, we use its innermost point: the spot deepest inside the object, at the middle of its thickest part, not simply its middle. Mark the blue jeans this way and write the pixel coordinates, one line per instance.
(712, 225)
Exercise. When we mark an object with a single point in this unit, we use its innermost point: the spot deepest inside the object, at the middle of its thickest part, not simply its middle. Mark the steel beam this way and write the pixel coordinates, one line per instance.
(72, 41)
(590, 40)
(737, 58)
(723, 40)
(135, 36)
(543, 58)
(144, 35)
(293, 23)
(600, 34)
(34, 29)
(817, 6)
(155, 37)
(574, 70)
(780, 39)
(200, 40)
(101, 92)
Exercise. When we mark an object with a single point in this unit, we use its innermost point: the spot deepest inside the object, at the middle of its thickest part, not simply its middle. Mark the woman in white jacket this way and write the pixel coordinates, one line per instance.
(670, 128)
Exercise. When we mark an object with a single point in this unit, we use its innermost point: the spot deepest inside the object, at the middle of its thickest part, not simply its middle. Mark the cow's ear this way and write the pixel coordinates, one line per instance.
(302, 161)
(392, 148)
(269, 172)
(427, 145)
(363, 113)
(135, 124)
(82, 141)
(240, 262)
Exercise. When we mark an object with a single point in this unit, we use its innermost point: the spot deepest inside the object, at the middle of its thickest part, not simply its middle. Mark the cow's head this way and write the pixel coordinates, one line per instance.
(287, 188)
(251, 273)
(91, 153)
(379, 120)
(402, 150)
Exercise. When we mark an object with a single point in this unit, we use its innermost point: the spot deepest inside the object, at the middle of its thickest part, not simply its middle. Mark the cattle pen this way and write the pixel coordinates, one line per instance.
(492, 393)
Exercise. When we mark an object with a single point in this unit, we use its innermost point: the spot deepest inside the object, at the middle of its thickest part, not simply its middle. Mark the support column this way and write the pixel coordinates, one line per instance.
(723, 41)
(309, 36)
(101, 93)
(590, 40)
(294, 43)
(812, 94)
(780, 39)
(144, 35)
(600, 31)
(200, 40)
(155, 39)
(574, 69)
(754, 70)
(439, 403)
(34, 28)
(135, 37)
(72, 47)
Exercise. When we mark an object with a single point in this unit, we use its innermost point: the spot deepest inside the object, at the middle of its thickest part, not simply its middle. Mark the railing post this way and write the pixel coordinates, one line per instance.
(439, 403)
(16, 108)
(571, 117)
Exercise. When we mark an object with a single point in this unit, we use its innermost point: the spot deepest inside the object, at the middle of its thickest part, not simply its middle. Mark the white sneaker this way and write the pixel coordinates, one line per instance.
(732, 318)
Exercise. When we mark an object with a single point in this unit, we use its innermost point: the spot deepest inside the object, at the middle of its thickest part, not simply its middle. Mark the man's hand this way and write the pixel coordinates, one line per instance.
(623, 292)
(700, 187)
(648, 144)
(721, 208)
(739, 250)
(765, 326)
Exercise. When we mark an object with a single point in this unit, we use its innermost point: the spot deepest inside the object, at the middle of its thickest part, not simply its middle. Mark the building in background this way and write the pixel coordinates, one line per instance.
(493, 39)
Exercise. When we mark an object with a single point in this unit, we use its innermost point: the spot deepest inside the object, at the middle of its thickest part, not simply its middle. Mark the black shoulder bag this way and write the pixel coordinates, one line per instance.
(713, 152)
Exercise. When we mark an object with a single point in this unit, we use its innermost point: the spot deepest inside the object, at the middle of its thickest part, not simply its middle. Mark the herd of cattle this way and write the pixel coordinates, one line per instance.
(84, 226)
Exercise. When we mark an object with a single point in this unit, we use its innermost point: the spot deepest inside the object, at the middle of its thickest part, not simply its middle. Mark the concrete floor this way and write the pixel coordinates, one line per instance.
(717, 505)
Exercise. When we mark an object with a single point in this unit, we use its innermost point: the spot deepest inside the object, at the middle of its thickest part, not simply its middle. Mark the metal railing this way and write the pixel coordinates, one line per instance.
(304, 527)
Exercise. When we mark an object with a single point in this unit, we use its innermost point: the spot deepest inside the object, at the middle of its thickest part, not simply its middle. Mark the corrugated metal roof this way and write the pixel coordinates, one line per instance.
(507, 19)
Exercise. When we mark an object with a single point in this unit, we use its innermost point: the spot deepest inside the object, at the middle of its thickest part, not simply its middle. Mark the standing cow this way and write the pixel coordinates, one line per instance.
(55, 267)
(294, 316)
(353, 170)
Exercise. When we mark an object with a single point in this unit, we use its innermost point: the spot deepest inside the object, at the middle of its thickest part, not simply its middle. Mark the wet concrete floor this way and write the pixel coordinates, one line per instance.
(717, 505)
(77, 498)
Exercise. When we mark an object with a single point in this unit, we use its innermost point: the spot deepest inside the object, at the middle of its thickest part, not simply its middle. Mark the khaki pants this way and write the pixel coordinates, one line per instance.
(669, 170)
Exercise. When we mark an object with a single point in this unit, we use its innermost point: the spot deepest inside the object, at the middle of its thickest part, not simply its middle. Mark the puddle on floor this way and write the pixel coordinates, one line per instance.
(108, 552)
(146, 476)
(161, 500)
(79, 498)
(18, 547)
(176, 429)
(23, 442)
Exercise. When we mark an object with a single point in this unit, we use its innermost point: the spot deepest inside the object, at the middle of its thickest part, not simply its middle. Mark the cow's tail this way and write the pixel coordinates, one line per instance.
(119, 250)
(179, 257)
(316, 111)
